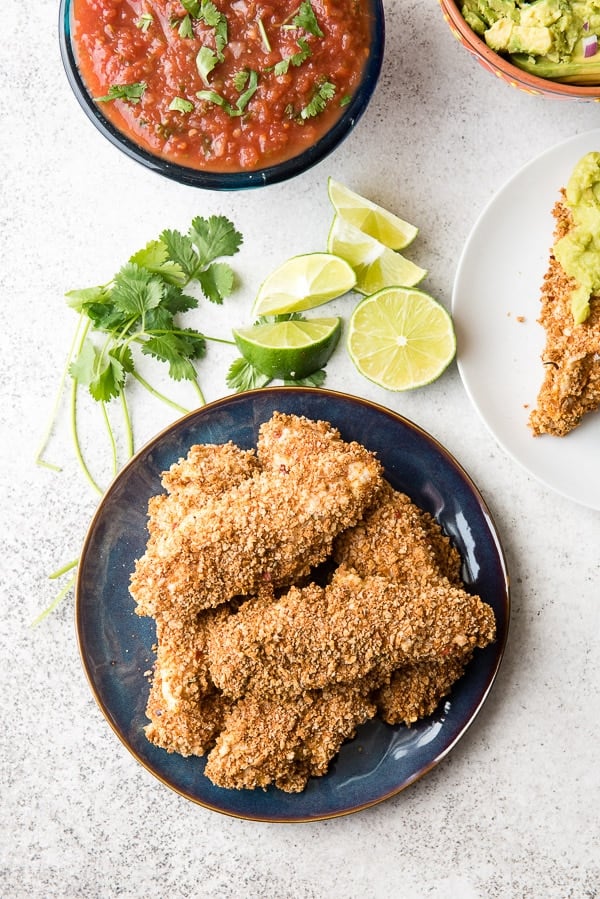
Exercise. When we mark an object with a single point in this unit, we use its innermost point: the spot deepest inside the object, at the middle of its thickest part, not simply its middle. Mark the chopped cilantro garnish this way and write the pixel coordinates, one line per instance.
(206, 60)
(212, 96)
(180, 104)
(145, 21)
(130, 92)
(185, 27)
(306, 19)
(296, 59)
(324, 93)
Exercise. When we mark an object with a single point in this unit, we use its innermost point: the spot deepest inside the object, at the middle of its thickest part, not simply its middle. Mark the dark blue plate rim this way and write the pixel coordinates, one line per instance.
(394, 757)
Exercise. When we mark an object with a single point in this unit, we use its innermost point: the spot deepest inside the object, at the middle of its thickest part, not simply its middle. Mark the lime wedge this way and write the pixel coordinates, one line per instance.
(375, 265)
(401, 338)
(304, 282)
(290, 349)
(384, 226)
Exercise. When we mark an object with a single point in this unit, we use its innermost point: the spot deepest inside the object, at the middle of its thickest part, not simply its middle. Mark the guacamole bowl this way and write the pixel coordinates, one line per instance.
(223, 102)
(503, 68)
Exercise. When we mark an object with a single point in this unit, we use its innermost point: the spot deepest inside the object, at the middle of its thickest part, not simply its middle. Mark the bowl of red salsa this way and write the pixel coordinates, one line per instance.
(223, 94)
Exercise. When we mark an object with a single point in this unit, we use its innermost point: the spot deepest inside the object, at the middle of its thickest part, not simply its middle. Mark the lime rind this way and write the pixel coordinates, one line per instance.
(401, 338)
(304, 282)
(389, 229)
(290, 349)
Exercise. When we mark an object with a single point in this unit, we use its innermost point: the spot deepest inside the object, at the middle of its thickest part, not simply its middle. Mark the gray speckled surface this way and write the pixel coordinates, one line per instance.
(513, 810)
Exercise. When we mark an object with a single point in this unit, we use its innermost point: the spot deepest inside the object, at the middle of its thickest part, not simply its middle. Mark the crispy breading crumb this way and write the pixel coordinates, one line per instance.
(571, 356)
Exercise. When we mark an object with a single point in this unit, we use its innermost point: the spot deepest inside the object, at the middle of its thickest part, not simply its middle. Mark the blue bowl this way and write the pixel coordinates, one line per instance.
(116, 644)
(212, 180)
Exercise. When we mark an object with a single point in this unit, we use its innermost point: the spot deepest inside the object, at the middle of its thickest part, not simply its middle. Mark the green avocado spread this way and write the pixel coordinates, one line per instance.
(556, 39)
(578, 251)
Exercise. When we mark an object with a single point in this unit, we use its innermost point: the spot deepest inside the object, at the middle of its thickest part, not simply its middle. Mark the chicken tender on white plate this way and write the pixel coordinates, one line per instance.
(272, 527)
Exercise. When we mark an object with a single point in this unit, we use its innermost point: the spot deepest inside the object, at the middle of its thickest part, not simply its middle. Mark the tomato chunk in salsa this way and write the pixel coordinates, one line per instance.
(222, 85)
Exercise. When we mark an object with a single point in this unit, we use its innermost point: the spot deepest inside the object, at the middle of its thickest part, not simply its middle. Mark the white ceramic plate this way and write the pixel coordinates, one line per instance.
(496, 303)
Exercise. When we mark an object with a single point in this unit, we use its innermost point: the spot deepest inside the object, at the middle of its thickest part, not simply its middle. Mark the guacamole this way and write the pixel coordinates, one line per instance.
(579, 250)
(556, 39)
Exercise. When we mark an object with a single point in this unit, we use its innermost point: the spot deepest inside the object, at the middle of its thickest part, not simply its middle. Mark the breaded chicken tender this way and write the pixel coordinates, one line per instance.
(266, 740)
(571, 385)
(416, 690)
(398, 540)
(185, 709)
(315, 637)
(207, 470)
(271, 527)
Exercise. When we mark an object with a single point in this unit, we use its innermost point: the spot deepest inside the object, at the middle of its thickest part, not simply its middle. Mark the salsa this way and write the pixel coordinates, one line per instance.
(229, 85)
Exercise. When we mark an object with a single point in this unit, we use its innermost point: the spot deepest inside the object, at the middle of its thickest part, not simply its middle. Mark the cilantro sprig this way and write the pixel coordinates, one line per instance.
(137, 312)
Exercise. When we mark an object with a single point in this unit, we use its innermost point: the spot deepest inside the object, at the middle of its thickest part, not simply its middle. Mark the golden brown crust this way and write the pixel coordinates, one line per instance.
(273, 526)
(315, 637)
(398, 540)
(571, 357)
(415, 691)
(266, 740)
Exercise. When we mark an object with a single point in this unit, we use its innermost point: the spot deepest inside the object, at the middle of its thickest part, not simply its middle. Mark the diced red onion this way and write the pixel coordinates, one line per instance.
(590, 45)
(586, 26)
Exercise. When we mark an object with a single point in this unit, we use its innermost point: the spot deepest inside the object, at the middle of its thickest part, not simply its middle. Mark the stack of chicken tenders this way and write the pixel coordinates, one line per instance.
(296, 595)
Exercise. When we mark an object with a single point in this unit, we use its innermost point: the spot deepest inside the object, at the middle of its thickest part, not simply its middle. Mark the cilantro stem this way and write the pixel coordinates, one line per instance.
(55, 602)
(77, 445)
(128, 426)
(111, 440)
(159, 396)
(63, 569)
(39, 460)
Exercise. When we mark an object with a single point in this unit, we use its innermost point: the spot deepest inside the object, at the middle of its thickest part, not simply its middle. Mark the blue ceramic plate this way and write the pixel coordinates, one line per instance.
(116, 644)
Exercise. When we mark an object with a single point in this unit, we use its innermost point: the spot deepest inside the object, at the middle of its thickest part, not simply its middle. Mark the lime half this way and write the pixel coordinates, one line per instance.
(401, 338)
(290, 349)
(375, 265)
(384, 226)
(304, 282)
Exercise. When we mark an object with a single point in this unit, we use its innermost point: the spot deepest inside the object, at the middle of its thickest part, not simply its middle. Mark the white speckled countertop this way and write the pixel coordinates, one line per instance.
(513, 810)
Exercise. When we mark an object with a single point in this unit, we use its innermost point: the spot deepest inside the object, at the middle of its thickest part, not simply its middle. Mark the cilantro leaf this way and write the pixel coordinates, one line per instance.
(307, 19)
(206, 60)
(145, 21)
(296, 59)
(136, 289)
(103, 373)
(180, 104)
(315, 379)
(216, 282)
(214, 237)
(79, 299)
(242, 375)
(192, 7)
(245, 98)
(133, 93)
(171, 349)
(315, 107)
(155, 257)
(185, 29)
(180, 250)
(176, 301)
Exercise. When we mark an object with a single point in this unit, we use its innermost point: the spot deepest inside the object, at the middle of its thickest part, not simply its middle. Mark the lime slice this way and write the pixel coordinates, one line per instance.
(375, 265)
(304, 282)
(289, 349)
(384, 226)
(401, 338)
